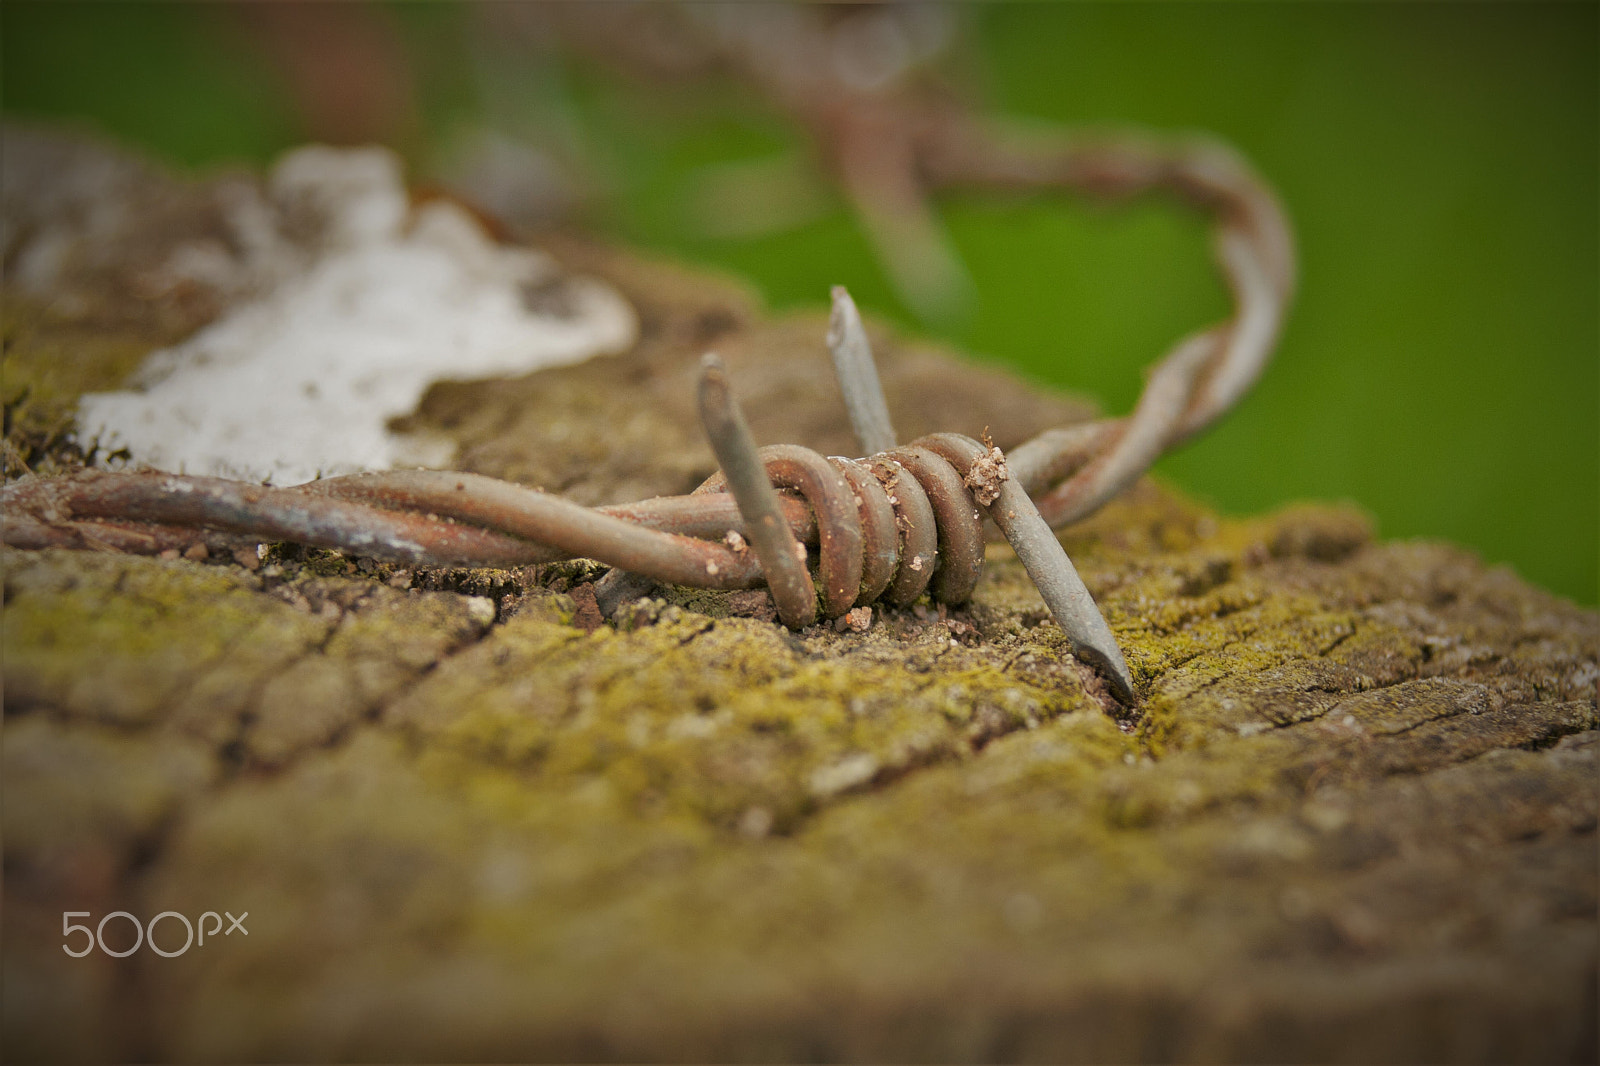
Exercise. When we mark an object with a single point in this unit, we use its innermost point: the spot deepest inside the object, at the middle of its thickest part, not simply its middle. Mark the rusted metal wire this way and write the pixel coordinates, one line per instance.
(1205, 374)
(782, 558)
(904, 521)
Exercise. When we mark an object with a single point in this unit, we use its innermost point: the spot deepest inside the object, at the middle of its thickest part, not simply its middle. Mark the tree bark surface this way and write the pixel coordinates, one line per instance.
(1351, 817)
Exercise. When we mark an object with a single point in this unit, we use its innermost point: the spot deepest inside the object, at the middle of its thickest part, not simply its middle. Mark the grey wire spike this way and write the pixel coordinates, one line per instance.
(1058, 582)
(858, 376)
(1046, 561)
(781, 556)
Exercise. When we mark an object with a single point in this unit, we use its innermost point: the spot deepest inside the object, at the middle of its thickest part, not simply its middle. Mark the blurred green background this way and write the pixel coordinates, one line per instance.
(1441, 366)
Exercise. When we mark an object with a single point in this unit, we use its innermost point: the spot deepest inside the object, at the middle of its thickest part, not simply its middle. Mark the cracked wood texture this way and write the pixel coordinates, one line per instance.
(1351, 818)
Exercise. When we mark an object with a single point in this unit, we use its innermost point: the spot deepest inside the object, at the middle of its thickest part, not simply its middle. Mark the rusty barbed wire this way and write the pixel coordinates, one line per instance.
(904, 521)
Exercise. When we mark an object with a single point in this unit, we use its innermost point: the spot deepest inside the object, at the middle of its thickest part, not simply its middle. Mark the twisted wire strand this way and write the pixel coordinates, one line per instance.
(1073, 472)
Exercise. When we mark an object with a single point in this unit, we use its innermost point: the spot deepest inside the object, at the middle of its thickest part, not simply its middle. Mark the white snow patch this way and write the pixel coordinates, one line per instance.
(301, 381)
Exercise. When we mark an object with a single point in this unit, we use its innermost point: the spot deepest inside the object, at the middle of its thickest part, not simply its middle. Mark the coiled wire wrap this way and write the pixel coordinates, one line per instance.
(879, 528)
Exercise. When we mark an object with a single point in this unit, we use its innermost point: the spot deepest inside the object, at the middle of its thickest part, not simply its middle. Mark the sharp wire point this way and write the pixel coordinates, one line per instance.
(858, 376)
(774, 544)
(1046, 561)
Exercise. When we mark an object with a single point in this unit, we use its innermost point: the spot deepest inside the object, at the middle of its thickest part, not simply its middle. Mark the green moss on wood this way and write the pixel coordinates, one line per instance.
(47, 361)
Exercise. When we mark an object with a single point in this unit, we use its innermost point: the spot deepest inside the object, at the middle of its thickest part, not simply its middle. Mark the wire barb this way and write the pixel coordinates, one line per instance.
(858, 375)
(782, 557)
(1045, 560)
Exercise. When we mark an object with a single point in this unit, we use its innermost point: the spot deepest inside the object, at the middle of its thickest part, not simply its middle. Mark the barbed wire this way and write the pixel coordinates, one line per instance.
(904, 521)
